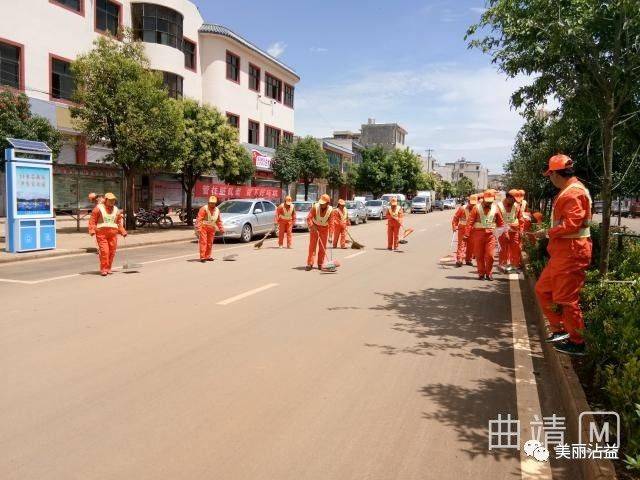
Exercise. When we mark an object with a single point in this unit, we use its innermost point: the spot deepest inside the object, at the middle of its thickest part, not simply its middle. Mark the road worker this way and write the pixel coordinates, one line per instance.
(510, 241)
(339, 224)
(395, 218)
(208, 222)
(480, 231)
(524, 208)
(559, 285)
(106, 223)
(464, 251)
(285, 219)
(319, 221)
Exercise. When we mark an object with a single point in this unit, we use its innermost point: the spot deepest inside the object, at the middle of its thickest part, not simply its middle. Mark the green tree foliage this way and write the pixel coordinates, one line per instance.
(234, 165)
(370, 172)
(447, 190)
(312, 160)
(428, 181)
(464, 187)
(335, 179)
(285, 165)
(122, 103)
(585, 53)
(17, 121)
(409, 171)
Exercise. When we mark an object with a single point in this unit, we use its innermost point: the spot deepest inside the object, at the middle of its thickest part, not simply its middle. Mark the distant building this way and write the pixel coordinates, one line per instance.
(342, 151)
(497, 181)
(455, 171)
(387, 135)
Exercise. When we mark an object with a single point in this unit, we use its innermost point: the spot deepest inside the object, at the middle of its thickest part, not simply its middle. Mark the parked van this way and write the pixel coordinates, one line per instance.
(388, 196)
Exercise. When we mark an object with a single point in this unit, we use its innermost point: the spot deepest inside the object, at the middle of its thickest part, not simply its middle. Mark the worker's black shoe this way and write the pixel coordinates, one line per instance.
(458, 264)
(480, 277)
(469, 264)
(308, 268)
(489, 277)
(210, 259)
(203, 260)
(557, 337)
(570, 348)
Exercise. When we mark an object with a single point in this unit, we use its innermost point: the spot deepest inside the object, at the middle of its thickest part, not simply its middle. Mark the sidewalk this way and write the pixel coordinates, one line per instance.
(71, 242)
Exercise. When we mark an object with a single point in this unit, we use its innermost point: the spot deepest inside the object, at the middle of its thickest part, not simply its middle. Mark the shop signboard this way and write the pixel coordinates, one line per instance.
(223, 191)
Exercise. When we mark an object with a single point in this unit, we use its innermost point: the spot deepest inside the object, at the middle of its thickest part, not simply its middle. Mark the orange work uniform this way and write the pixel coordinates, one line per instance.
(570, 255)
(395, 217)
(106, 223)
(511, 240)
(464, 251)
(480, 231)
(339, 223)
(285, 218)
(207, 222)
(319, 222)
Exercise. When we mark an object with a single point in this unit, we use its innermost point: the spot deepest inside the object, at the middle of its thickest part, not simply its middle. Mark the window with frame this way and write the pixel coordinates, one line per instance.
(287, 137)
(107, 16)
(273, 87)
(75, 5)
(157, 24)
(62, 83)
(173, 83)
(10, 58)
(271, 137)
(233, 120)
(288, 95)
(254, 133)
(233, 67)
(189, 50)
(254, 78)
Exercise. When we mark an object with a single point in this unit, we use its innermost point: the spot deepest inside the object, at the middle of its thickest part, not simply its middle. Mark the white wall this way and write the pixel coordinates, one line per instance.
(235, 98)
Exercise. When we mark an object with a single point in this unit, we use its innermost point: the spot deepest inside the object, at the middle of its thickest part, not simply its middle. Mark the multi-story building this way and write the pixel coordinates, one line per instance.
(206, 62)
(455, 171)
(497, 181)
(386, 135)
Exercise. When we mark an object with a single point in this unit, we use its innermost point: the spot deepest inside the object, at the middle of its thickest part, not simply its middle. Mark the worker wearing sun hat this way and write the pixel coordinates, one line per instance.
(464, 252)
(339, 224)
(395, 218)
(510, 243)
(106, 223)
(208, 222)
(480, 231)
(285, 219)
(319, 222)
(559, 285)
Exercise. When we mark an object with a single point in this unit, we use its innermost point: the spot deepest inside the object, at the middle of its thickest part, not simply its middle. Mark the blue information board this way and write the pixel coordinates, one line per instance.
(29, 174)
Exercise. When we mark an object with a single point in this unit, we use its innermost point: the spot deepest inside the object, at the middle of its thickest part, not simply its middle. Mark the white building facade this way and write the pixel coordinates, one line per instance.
(206, 62)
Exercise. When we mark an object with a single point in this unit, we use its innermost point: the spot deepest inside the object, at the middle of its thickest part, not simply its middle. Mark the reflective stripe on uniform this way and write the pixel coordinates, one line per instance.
(286, 215)
(585, 231)
(488, 220)
(211, 218)
(108, 219)
(319, 220)
(396, 214)
(510, 218)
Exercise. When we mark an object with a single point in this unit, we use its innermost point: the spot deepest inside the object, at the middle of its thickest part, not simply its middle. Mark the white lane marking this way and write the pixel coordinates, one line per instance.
(247, 294)
(36, 282)
(526, 386)
(354, 255)
(422, 230)
(9, 280)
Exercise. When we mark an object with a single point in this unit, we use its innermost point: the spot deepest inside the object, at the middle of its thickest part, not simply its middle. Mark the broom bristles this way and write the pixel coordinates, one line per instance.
(356, 246)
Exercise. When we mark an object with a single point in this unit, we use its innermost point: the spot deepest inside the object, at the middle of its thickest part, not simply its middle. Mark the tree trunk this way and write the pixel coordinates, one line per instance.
(189, 194)
(607, 139)
(306, 191)
(129, 178)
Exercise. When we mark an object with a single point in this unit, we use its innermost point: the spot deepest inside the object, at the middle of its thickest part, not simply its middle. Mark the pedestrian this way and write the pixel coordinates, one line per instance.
(559, 285)
(319, 221)
(395, 218)
(339, 224)
(106, 223)
(208, 222)
(524, 208)
(464, 251)
(510, 241)
(285, 219)
(480, 233)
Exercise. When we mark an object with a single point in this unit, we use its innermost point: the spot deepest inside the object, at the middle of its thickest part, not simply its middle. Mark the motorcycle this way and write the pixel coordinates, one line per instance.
(159, 217)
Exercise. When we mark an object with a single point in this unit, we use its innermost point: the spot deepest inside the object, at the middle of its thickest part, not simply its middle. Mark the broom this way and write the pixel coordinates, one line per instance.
(259, 244)
(331, 266)
(129, 267)
(232, 257)
(355, 245)
(406, 233)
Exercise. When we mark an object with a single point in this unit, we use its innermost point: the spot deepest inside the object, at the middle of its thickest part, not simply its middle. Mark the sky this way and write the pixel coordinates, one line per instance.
(403, 61)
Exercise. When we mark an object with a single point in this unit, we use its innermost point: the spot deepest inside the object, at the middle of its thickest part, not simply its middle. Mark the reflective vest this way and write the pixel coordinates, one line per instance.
(585, 231)
(467, 212)
(510, 218)
(525, 213)
(486, 220)
(395, 214)
(286, 215)
(320, 220)
(211, 218)
(108, 219)
(344, 214)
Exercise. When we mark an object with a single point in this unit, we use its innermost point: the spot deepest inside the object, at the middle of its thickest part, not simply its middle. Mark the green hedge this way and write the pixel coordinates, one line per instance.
(612, 317)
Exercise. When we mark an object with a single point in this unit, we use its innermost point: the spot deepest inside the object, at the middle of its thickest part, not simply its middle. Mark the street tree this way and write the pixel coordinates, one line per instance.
(122, 103)
(234, 165)
(428, 181)
(17, 121)
(447, 189)
(285, 165)
(312, 160)
(464, 187)
(585, 53)
(409, 170)
(335, 179)
(370, 171)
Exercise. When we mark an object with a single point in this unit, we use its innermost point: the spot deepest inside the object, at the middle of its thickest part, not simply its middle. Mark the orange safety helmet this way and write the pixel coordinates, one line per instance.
(514, 193)
(489, 195)
(341, 202)
(473, 199)
(324, 199)
(558, 162)
(287, 200)
(213, 199)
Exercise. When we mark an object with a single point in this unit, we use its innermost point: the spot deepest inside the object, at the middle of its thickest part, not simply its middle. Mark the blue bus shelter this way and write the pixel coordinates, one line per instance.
(29, 174)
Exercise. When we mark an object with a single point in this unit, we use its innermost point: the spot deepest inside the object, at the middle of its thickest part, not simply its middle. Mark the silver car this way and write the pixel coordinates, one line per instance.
(420, 205)
(244, 218)
(357, 212)
(302, 210)
(376, 209)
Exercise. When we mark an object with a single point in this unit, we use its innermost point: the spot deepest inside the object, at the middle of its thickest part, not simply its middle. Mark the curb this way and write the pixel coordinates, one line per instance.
(573, 397)
(76, 251)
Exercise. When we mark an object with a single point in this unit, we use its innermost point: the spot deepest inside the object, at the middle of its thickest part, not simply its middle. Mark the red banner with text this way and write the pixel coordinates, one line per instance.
(224, 191)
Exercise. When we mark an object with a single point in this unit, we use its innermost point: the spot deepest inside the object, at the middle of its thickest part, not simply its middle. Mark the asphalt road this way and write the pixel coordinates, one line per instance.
(255, 369)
